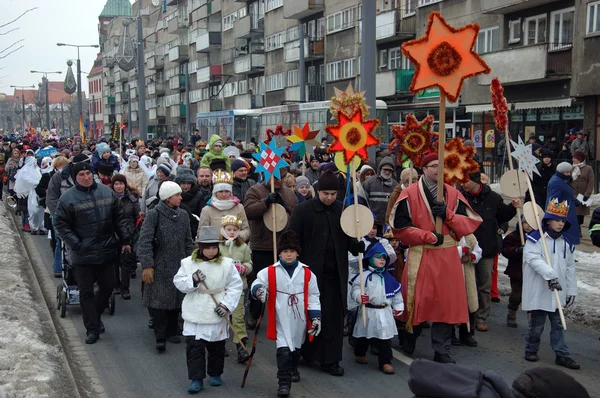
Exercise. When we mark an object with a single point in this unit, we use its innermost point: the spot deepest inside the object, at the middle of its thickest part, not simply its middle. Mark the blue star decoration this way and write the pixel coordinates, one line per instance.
(270, 160)
(527, 161)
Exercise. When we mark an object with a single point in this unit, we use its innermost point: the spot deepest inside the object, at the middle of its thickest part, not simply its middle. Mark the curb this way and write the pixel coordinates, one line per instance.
(76, 360)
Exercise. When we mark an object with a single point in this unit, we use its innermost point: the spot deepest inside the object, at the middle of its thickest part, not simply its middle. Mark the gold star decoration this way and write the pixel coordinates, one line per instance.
(458, 162)
(347, 101)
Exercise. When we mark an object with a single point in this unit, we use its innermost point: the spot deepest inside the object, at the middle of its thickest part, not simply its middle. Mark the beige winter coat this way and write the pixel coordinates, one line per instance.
(211, 216)
(584, 184)
(136, 178)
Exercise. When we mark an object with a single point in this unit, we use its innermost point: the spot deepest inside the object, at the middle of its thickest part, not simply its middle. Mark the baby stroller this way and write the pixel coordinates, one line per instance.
(67, 293)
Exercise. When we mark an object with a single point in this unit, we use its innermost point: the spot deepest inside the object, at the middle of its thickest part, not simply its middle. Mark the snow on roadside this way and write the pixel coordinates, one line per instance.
(28, 365)
(586, 309)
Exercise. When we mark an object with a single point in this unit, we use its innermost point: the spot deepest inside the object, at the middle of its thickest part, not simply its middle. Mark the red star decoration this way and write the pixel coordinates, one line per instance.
(415, 139)
(458, 162)
(353, 135)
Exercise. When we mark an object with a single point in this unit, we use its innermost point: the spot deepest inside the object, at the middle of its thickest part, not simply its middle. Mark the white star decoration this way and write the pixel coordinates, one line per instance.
(524, 154)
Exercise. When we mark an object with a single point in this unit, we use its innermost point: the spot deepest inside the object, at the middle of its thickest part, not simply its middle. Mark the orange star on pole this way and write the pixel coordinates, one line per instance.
(353, 135)
(458, 162)
(444, 57)
(414, 140)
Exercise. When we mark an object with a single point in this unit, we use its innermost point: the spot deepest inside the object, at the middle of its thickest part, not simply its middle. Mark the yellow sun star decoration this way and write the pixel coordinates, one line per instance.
(458, 162)
(353, 135)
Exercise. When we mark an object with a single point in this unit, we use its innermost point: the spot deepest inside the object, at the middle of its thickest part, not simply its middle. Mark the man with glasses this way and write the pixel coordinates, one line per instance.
(433, 278)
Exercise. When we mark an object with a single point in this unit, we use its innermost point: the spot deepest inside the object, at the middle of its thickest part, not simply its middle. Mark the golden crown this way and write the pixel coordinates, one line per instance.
(558, 209)
(222, 177)
(230, 219)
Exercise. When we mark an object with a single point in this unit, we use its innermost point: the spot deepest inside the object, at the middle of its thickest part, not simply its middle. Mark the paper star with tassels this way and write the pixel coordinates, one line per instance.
(414, 140)
(444, 57)
(353, 135)
(270, 160)
(303, 140)
(524, 154)
(347, 101)
(458, 162)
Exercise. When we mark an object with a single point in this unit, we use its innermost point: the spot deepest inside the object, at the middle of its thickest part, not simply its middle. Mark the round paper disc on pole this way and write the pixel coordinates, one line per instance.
(281, 218)
(529, 212)
(514, 184)
(338, 159)
(349, 224)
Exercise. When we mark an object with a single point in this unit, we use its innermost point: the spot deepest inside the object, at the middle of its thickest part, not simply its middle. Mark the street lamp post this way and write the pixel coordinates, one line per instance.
(23, 101)
(45, 80)
(79, 100)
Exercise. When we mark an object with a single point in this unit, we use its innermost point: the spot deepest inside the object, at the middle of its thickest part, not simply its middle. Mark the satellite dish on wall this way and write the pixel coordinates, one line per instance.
(155, 3)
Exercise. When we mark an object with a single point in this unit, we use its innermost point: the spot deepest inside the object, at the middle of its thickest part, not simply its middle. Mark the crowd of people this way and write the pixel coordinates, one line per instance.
(192, 216)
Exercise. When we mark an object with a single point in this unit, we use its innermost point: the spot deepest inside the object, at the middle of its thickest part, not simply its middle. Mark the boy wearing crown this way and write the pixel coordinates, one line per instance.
(541, 278)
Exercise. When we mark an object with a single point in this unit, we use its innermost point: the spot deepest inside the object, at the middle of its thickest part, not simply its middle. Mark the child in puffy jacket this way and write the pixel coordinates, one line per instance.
(103, 155)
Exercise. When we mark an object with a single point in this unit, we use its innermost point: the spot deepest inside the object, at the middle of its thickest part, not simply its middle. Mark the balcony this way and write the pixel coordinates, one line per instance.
(177, 110)
(300, 9)
(528, 64)
(206, 74)
(208, 41)
(179, 54)
(390, 27)
(156, 62)
(316, 92)
(210, 105)
(110, 80)
(291, 50)
(510, 6)
(391, 82)
(121, 76)
(125, 97)
(248, 26)
(178, 25)
(249, 63)
(228, 55)
(177, 82)
(108, 62)
(110, 100)
(316, 49)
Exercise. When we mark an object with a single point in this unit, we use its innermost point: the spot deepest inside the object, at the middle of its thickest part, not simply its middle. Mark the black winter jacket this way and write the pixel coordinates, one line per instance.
(540, 183)
(490, 206)
(131, 213)
(240, 187)
(59, 184)
(595, 227)
(512, 249)
(88, 220)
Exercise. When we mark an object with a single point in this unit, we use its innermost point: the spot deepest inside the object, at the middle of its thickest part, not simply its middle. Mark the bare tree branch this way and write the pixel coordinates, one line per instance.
(12, 45)
(8, 31)
(19, 17)
(15, 50)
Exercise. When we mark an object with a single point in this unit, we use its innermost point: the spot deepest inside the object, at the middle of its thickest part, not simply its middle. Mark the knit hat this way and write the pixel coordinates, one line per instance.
(222, 181)
(288, 240)
(77, 167)
(168, 189)
(564, 167)
(475, 177)
(579, 155)
(300, 181)
(80, 157)
(165, 168)
(328, 182)
(102, 147)
(185, 174)
(217, 164)
(76, 148)
(134, 158)
(120, 178)
(106, 169)
(238, 164)
(327, 166)
(468, 143)
(430, 157)
(547, 383)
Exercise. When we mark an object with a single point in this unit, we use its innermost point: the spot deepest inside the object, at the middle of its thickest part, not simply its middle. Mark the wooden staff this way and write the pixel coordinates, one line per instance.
(226, 317)
(254, 342)
(306, 159)
(441, 142)
(360, 255)
(274, 229)
(510, 166)
(546, 253)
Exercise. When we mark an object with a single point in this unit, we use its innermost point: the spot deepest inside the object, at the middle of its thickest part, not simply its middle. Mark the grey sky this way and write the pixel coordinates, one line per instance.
(67, 21)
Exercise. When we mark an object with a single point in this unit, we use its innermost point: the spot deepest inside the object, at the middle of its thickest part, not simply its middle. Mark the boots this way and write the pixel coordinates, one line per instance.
(284, 371)
(295, 373)
(242, 356)
(511, 319)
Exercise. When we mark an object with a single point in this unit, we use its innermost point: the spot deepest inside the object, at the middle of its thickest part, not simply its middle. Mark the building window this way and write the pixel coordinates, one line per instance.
(395, 58)
(593, 17)
(275, 82)
(388, 5)
(273, 4)
(292, 78)
(273, 42)
(535, 29)
(340, 20)
(383, 59)
(340, 70)
(488, 40)
(561, 28)
(242, 86)
(408, 7)
(423, 3)
(514, 31)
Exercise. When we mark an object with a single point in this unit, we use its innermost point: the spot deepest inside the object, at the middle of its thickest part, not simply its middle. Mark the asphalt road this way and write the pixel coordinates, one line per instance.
(127, 365)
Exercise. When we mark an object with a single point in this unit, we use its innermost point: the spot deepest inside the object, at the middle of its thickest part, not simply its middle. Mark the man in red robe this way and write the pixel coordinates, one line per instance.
(433, 280)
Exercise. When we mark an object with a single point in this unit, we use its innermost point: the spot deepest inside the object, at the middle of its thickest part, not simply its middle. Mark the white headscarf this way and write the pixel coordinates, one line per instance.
(46, 165)
(229, 242)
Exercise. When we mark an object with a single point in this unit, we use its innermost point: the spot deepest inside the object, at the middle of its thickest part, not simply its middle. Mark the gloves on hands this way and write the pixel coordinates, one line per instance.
(570, 301)
(519, 251)
(397, 313)
(273, 197)
(363, 299)
(148, 275)
(198, 277)
(241, 269)
(554, 284)
(357, 246)
(439, 209)
(221, 310)
(316, 327)
(440, 239)
(262, 294)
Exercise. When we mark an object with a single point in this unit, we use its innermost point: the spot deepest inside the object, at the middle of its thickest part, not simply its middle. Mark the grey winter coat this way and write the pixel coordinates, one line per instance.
(59, 184)
(378, 191)
(312, 175)
(168, 229)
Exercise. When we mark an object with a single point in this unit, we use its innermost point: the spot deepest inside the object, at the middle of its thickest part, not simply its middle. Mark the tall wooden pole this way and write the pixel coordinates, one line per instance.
(274, 229)
(360, 255)
(441, 142)
(510, 166)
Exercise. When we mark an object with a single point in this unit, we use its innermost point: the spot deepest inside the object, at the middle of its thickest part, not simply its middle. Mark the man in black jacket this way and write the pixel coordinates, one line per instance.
(490, 206)
(241, 181)
(595, 227)
(88, 219)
